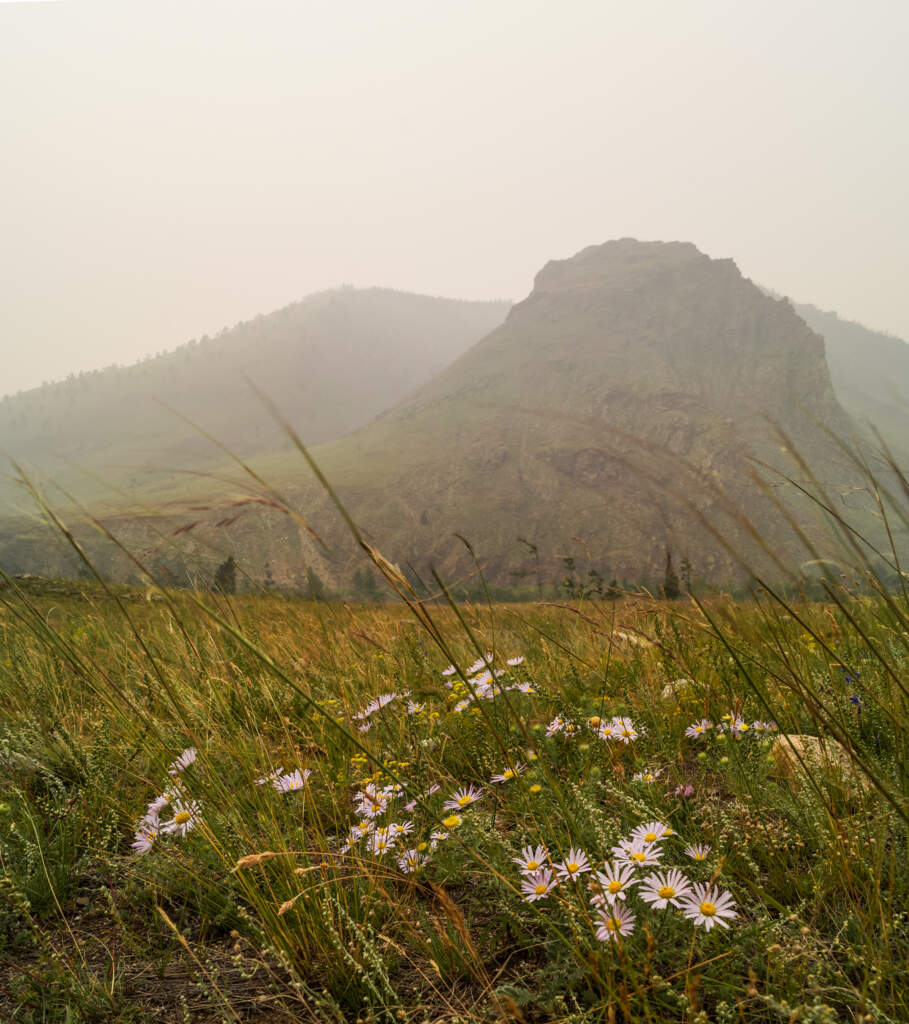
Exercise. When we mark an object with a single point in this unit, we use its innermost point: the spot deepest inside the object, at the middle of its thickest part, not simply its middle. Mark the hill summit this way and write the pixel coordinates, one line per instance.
(635, 377)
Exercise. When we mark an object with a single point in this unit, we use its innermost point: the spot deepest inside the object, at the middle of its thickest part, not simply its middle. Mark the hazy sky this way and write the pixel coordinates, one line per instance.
(169, 168)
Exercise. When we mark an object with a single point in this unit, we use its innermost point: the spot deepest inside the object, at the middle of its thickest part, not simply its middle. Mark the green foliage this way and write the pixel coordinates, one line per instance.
(226, 576)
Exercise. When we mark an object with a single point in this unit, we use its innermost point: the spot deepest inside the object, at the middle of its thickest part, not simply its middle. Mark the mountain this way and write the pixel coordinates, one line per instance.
(870, 373)
(334, 360)
(625, 398)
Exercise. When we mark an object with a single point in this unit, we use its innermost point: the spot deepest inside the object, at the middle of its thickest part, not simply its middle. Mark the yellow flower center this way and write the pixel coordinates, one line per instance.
(423, 847)
(508, 774)
(699, 856)
(535, 788)
(452, 821)
(615, 886)
(650, 837)
(540, 889)
(666, 892)
(639, 857)
(572, 866)
(381, 844)
(463, 801)
(626, 732)
(532, 865)
(708, 909)
(182, 817)
(743, 727)
(612, 924)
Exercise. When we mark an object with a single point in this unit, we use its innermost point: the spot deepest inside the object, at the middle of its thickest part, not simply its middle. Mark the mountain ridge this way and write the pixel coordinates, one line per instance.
(633, 372)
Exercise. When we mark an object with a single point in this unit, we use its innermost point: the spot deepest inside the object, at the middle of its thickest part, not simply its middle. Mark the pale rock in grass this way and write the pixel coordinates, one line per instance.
(793, 753)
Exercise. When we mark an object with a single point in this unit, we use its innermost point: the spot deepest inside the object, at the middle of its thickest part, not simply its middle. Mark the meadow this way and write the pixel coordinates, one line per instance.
(259, 808)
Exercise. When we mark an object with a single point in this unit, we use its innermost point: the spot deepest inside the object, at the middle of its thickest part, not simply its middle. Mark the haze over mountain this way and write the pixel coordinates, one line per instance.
(870, 372)
(332, 361)
(633, 374)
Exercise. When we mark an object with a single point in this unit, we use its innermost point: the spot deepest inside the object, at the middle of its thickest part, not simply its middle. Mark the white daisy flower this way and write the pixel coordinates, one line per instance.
(650, 776)
(437, 837)
(412, 860)
(532, 859)
(556, 725)
(697, 851)
(617, 920)
(574, 865)
(523, 687)
(414, 708)
(377, 703)
(450, 671)
(380, 844)
(480, 664)
(664, 888)
(398, 829)
(186, 817)
(697, 729)
(514, 662)
(707, 906)
(355, 835)
(613, 883)
(737, 727)
(625, 730)
(607, 731)
(154, 809)
(652, 832)
(637, 852)
(292, 781)
(509, 773)
(267, 780)
(372, 807)
(463, 798)
(462, 705)
(145, 839)
(183, 761)
(538, 885)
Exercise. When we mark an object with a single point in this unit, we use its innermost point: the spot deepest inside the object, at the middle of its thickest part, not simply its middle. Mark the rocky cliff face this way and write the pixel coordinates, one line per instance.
(616, 412)
(634, 378)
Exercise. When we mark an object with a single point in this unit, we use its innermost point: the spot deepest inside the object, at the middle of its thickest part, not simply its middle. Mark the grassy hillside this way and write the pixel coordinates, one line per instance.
(331, 362)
